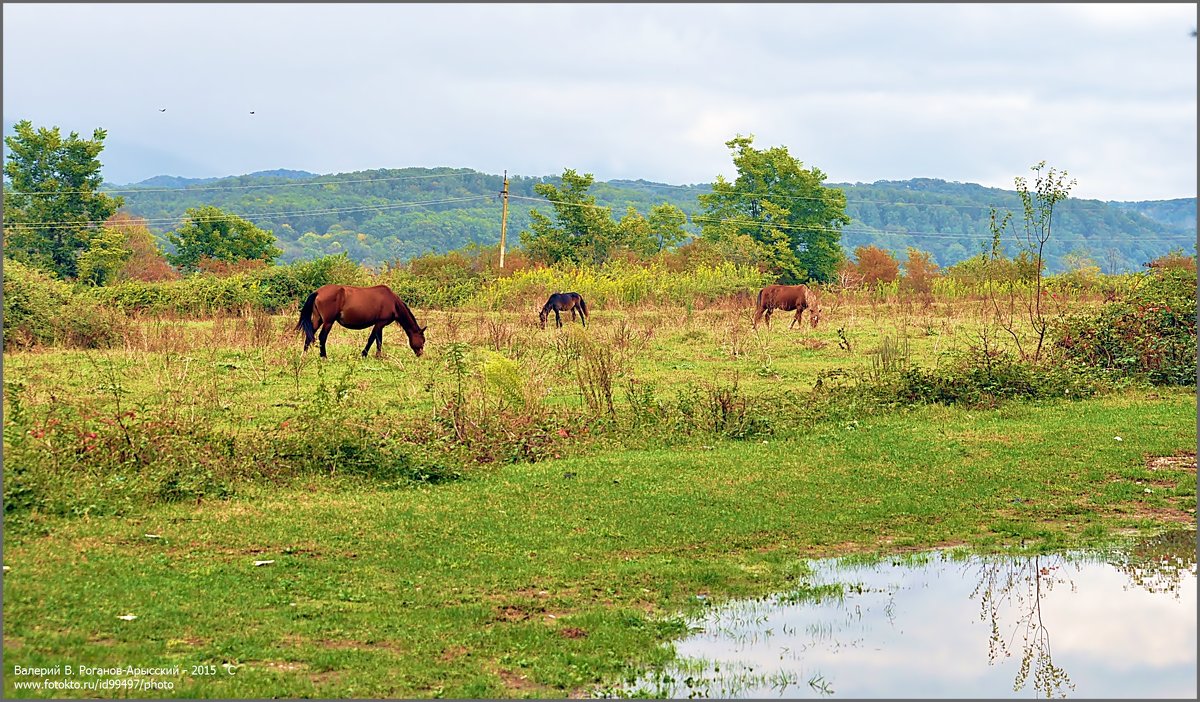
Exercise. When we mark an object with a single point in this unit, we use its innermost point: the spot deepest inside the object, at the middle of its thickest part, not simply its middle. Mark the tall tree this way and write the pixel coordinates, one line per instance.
(666, 225)
(124, 250)
(919, 271)
(209, 232)
(106, 255)
(52, 206)
(580, 232)
(782, 206)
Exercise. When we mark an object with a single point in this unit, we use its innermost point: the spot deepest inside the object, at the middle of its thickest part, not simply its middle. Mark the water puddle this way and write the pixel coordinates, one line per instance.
(1112, 624)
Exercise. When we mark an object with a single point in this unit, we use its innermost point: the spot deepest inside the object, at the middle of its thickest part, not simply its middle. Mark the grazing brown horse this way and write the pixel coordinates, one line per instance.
(563, 302)
(788, 298)
(358, 308)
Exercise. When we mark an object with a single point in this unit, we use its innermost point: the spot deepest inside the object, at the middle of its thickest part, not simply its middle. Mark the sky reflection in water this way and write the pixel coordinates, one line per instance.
(1117, 624)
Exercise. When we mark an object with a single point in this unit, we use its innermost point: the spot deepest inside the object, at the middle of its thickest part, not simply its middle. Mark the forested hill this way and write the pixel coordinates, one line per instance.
(395, 214)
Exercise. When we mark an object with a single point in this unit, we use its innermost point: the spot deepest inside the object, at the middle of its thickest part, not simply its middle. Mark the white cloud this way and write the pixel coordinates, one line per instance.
(865, 92)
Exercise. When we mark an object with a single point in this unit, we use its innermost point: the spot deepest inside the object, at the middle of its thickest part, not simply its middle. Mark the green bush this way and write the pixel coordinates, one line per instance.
(619, 284)
(85, 323)
(284, 288)
(421, 293)
(70, 460)
(139, 296)
(270, 289)
(1150, 333)
(33, 300)
(970, 381)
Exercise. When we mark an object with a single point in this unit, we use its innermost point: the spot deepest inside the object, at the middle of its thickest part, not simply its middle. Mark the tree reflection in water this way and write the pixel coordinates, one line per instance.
(844, 628)
(1157, 564)
(1022, 584)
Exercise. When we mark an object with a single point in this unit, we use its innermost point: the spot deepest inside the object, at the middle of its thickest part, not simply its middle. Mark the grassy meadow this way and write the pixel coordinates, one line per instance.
(526, 512)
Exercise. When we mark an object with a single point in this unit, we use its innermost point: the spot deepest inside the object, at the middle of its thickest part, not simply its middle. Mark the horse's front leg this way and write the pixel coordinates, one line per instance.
(558, 319)
(796, 319)
(376, 333)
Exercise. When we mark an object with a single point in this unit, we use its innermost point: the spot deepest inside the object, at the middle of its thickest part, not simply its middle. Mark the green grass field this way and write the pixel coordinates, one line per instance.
(525, 579)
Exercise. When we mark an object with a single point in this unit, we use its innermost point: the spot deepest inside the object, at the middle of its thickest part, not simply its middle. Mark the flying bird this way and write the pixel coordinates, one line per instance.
(162, 109)
(251, 111)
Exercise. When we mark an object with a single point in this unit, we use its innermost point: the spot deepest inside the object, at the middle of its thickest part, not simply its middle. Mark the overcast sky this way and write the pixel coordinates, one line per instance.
(970, 93)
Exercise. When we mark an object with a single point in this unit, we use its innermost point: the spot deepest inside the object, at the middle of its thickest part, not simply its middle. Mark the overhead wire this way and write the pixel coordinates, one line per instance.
(263, 215)
(194, 189)
(843, 230)
(1073, 202)
(694, 218)
(1070, 202)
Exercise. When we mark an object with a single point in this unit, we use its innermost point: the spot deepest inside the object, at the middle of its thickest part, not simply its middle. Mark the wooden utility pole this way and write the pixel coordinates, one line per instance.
(503, 217)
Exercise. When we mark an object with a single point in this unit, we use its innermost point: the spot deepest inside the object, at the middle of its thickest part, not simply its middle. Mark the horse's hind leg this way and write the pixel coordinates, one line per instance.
(324, 335)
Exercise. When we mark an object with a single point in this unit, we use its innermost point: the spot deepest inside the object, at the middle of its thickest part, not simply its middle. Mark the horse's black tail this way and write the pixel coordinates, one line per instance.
(583, 309)
(306, 324)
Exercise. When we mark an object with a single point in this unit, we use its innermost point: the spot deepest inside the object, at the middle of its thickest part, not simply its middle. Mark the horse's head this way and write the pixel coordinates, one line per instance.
(814, 306)
(416, 339)
(542, 317)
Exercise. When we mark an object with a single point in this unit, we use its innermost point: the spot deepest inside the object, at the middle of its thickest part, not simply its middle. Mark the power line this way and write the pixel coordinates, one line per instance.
(1072, 202)
(1089, 203)
(695, 220)
(930, 235)
(260, 215)
(246, 187)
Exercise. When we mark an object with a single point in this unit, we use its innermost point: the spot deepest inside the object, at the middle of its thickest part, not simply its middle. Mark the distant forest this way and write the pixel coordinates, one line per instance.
(392, 215)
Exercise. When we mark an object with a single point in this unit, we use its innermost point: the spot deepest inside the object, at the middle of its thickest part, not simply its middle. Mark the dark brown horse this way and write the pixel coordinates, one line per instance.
(358, 308)
(563, 302)
(788, 298)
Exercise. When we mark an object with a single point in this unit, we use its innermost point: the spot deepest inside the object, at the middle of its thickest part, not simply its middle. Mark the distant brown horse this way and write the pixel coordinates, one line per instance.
(358, 308)
(788, 298)
(563, 302)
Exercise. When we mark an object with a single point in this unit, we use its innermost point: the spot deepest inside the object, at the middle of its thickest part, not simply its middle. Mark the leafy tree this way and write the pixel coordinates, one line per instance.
(647, 236)
(634, 233)
(667, 225)
(209, 232)
(146, 261)
(52, 206)
(919, 272)
(873, 265)
(124, 249)
(106, 256)
(1050, 188)
(783, 207)
(580, 232)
